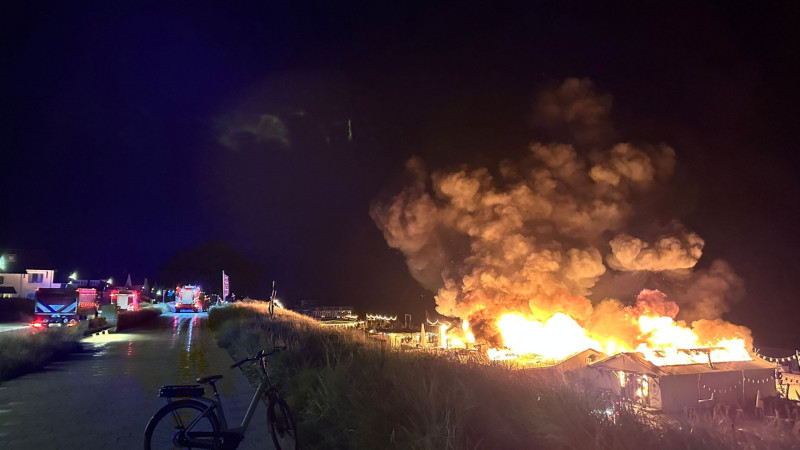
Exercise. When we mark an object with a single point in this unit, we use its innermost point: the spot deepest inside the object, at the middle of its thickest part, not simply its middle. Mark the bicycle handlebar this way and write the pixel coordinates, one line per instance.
(260, 355)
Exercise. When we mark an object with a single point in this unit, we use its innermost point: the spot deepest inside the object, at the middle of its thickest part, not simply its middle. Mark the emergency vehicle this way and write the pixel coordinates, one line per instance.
(56, 307)
(188, 297)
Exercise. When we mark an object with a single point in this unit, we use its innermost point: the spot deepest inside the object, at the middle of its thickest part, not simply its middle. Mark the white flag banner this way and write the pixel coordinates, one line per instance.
(226, 287)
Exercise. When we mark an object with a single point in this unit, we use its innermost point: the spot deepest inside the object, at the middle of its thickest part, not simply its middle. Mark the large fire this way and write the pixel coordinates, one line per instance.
(542, 255)
(661, 339)
(556, 338)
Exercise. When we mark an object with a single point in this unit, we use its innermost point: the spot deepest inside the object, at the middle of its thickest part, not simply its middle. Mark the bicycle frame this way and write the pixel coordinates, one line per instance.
(261, 392)
(264, 389)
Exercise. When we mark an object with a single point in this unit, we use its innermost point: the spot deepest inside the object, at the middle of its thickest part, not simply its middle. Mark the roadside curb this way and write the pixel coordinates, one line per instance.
(107, 330)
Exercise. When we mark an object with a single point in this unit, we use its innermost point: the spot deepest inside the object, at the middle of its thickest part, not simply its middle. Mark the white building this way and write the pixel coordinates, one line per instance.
(24, 271)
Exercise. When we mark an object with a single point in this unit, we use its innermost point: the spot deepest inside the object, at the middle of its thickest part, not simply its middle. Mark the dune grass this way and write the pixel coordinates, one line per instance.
(24, 354)
(349, 391)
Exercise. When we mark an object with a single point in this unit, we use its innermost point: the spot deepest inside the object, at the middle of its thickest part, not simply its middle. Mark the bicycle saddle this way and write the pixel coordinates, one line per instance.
(209, 379)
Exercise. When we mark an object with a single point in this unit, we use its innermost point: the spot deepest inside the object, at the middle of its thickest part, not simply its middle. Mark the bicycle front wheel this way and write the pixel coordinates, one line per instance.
(169, 427)
(281, 425)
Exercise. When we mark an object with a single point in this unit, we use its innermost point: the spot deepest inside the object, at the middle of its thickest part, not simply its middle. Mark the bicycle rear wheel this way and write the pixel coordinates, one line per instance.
(167, 429)
(281, 425)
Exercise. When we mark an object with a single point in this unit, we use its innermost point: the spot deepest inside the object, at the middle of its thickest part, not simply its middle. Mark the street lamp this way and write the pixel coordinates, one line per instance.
(106, 283)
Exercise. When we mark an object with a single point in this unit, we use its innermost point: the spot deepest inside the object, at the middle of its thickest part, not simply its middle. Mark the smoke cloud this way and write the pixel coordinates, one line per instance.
(709, 293)
(574, 112)
(667, 253)
(537, 235)
(240, 130)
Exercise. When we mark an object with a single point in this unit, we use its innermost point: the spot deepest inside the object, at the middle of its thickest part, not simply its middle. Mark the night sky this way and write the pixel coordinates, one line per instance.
(134, 135)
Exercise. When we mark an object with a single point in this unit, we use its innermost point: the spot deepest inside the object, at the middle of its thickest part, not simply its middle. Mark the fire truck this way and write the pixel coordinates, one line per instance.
(88, 302)
(188, 297)
(125, 299)
(56, 307)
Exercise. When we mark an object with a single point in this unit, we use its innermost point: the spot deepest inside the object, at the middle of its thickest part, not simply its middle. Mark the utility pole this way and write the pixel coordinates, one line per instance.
(272, 300)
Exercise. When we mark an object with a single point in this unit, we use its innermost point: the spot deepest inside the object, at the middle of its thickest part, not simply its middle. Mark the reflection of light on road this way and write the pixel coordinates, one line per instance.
(189, 338)
(13, 329)
(192, 355)
(186, 360)
(103, 339)
(175, 323)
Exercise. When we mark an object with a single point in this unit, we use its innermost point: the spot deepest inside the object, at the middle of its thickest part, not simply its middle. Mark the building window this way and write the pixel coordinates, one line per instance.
(2, 280)
(35, 278)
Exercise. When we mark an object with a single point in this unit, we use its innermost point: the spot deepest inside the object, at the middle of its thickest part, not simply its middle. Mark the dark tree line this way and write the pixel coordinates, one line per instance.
(203, 264)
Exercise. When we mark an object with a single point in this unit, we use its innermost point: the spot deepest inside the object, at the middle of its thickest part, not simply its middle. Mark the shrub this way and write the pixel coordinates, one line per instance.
(132, 319)
(97, 322)
(23, 354)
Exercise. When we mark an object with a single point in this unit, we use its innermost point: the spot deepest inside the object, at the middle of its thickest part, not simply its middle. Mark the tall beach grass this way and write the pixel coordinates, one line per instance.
(349, 391)
(21, 354)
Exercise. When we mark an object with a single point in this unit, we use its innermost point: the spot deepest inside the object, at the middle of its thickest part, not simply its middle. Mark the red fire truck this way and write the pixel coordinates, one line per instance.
(125, 299)
(188, 297)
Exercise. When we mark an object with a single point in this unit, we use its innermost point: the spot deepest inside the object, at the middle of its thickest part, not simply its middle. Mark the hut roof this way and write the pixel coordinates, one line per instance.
(627, 362)
(635, 363)
(581, 359)
(730, 366)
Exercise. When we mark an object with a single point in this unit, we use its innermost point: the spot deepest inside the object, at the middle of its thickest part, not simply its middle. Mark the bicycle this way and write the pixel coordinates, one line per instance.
(195, 421)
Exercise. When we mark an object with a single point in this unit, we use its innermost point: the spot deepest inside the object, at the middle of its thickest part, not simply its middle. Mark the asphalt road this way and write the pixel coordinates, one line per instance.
(103, 398)
(15, 328)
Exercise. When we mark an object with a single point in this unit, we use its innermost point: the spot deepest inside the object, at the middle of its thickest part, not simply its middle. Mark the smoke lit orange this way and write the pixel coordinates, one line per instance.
(541, 255)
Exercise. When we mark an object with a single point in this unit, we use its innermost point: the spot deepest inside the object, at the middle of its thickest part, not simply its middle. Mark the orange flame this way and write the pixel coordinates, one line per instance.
(664, 341)
(556, 338)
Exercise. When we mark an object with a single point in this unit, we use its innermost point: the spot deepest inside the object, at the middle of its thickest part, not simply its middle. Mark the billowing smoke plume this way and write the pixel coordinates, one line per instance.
(709, 293)
(667, 253)
(537, 235)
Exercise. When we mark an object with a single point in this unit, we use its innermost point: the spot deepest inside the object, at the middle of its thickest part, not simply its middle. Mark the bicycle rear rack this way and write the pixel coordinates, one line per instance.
(181, 390)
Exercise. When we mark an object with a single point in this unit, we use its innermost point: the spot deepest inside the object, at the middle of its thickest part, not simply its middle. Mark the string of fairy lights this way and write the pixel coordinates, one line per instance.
(381, 317)
(778, 359)
(737, 385)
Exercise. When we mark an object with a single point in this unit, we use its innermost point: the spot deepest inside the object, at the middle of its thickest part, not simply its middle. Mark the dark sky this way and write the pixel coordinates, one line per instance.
(134, 131)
